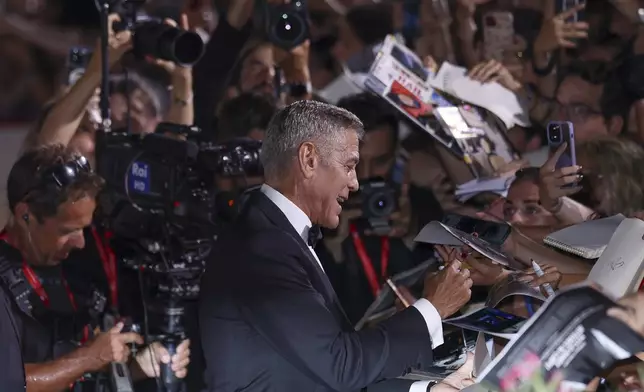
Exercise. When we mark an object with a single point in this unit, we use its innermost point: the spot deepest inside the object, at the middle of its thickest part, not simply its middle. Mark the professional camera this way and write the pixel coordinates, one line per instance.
(159, 205)
(285, 25)
(152, 37)
(378, 199)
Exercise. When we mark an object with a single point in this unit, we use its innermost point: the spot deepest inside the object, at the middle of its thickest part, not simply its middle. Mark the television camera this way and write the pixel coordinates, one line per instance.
(159, 203)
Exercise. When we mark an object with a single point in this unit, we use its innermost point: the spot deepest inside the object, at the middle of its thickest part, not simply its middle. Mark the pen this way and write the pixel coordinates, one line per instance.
(546, 286)
(394, 288)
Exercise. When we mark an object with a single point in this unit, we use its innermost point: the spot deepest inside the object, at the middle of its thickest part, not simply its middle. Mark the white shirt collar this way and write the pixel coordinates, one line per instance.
(300, 221)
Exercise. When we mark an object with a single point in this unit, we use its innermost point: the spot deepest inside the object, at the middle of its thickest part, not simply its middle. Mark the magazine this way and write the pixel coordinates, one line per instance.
(398, 75)
(571, 335)
(511, 286)
(490, 321)
(485, 148)
(384, 304)
(438, 233)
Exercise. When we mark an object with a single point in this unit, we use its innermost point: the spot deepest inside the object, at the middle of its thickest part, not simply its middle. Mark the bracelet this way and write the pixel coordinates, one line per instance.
(297, 90)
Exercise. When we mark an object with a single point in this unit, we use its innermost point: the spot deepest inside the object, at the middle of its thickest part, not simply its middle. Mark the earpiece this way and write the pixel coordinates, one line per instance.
(25, 217)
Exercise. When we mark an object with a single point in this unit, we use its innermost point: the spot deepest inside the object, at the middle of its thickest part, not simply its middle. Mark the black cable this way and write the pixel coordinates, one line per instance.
(104, 10)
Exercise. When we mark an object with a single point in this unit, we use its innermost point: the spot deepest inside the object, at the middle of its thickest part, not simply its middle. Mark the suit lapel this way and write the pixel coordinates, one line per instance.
(318, 277)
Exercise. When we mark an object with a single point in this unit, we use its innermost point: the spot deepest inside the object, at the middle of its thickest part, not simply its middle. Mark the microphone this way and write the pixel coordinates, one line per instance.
(119, 372)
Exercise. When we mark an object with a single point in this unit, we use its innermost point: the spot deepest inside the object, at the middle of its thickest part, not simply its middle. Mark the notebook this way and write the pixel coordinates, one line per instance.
(620, 269)
(587, 239)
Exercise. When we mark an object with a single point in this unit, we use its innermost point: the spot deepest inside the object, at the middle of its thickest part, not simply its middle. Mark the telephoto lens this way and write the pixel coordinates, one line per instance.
(166, 42)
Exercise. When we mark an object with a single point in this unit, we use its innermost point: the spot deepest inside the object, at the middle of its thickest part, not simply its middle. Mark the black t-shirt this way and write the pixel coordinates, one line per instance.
(45, 332)
(12, 377)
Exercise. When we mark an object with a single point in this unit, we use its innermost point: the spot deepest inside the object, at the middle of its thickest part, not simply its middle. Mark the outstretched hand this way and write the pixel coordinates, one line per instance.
(554, 183)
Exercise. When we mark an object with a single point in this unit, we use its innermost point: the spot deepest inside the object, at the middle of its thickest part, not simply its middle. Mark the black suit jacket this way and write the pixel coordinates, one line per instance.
(270, 320)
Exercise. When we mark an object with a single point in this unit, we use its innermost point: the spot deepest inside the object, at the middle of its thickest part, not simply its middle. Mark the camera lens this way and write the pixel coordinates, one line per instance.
(381, 204)
(289, 28)
(555, 133)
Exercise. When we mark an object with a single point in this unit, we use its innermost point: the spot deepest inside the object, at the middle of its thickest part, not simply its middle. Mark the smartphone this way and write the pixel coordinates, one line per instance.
(77, 61)
(494, 233)
(498, 34)
(565, 5)
(558, 133)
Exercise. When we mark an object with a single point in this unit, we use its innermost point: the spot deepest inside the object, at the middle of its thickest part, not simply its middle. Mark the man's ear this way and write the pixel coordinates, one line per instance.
(22, 215)
(615, 125)
(308, 159)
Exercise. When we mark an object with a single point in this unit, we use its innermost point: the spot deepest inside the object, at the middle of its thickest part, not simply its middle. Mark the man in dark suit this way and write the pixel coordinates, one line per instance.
(269, 318)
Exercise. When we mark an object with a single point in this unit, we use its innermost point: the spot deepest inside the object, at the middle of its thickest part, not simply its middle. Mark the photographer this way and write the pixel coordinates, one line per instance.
(72, 119)
(354, 248)
(51, 194)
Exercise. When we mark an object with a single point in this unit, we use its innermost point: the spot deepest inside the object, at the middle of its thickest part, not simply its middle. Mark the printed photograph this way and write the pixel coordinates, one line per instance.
(410, 62)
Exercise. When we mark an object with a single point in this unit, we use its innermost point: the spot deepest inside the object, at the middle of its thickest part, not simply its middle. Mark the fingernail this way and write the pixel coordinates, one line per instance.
(580, 177)
(579, 168)
(165, 359)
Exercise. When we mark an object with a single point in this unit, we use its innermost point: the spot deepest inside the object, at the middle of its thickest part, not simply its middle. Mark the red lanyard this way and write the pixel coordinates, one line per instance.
(108, 259)
(36, 285)
(367, 264)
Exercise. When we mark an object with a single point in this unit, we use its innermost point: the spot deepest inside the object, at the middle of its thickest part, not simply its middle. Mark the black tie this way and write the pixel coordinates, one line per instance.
(314, 236)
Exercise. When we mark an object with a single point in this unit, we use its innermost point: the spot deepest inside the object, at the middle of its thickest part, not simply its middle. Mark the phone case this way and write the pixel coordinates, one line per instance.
(569, 157)
(498, 34)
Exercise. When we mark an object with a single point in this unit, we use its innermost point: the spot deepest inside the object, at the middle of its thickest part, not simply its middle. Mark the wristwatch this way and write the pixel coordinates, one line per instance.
(297, 90)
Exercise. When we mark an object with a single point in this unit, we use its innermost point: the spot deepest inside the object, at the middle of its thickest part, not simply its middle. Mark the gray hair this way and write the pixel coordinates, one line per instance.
(301, 122)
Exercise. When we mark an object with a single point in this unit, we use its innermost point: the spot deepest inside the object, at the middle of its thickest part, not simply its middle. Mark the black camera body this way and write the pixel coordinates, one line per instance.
(152, 37)
(284, 25)
(379, 199)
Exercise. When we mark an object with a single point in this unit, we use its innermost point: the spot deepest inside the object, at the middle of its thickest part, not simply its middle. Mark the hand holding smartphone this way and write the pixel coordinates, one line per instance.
(562, 133)
(560, 175)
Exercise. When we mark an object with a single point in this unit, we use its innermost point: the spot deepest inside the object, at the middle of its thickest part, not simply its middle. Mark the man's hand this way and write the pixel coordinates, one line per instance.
(631, 311)
(557, 33)
(448, 290)
(118, 44)
(112, 346)
(494, 71)
(150, 359)
(552, 181)
(483, 271)
(551, 275)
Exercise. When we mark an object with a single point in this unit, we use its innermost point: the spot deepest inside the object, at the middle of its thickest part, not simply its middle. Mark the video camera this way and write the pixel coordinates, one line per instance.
(167, 176)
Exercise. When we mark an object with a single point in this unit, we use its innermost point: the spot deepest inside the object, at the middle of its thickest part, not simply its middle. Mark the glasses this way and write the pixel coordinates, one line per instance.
(67, 173)
(578, 112)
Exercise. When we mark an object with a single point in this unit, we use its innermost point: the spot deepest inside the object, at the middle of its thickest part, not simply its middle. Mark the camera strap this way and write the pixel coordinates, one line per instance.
(36, 285)
(108, 259)
(367, 264)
